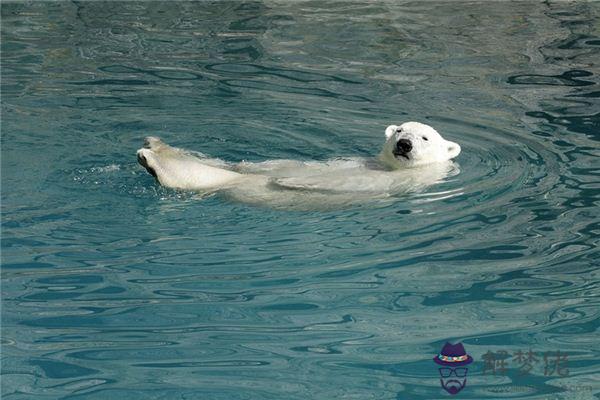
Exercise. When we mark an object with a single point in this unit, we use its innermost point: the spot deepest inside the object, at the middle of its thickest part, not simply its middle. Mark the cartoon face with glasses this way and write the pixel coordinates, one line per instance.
(453, 374)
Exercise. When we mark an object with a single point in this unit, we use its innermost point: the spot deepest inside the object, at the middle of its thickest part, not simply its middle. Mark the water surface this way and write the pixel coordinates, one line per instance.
(113, 287)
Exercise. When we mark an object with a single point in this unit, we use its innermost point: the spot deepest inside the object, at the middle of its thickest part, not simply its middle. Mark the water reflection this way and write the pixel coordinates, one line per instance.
(114, 287)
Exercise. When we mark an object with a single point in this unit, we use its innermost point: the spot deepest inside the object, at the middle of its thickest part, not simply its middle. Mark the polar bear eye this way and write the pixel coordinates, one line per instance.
(424, 138)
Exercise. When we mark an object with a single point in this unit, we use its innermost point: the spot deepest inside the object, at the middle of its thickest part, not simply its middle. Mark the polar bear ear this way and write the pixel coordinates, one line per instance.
(390, 130)
(452, 148)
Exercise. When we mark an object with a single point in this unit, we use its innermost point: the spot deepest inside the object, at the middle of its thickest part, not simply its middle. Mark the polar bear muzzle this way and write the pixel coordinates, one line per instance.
(403, 147)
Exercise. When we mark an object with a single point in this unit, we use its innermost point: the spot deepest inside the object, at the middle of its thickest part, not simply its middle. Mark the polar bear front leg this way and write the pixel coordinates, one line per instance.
(175, 168)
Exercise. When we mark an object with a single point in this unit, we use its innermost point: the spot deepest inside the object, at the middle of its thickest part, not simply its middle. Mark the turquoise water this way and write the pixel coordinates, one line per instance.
(115, 288)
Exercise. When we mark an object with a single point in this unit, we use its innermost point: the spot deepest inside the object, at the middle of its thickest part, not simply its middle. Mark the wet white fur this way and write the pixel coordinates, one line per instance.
(428, 146)
(310, 184)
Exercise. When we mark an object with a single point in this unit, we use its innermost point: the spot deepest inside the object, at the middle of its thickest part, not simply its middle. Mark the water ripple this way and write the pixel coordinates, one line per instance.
(113, 287)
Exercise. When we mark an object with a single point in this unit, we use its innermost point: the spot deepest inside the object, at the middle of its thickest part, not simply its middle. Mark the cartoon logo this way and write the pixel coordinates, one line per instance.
(453, 374)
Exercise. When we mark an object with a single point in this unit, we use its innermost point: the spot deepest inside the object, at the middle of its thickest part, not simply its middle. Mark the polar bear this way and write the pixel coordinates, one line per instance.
(414, 157)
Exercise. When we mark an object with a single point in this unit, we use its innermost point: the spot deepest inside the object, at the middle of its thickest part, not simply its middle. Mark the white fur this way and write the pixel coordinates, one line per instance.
(428, 146)
(179, 169)
(309, 184)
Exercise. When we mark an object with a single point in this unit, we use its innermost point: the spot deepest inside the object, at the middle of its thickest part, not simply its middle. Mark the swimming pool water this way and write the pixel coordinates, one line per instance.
(113, 287)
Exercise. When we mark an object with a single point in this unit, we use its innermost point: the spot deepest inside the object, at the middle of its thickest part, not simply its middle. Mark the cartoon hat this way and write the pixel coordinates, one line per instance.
(453, 355)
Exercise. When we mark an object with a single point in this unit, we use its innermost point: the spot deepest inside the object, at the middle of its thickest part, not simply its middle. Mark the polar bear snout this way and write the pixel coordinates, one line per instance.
(403, 147)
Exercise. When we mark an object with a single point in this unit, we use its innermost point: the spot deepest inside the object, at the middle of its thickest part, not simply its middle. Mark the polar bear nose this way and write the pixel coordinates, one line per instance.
(403, 146)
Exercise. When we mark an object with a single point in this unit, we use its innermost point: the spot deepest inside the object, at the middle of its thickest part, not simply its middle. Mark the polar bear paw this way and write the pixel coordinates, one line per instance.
(153, 142)
(143, 157)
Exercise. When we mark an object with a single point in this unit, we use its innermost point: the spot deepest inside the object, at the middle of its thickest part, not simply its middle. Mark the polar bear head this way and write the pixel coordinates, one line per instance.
(413, 144)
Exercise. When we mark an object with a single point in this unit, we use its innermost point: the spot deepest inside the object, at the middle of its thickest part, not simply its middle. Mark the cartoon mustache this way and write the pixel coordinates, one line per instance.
(450, 382)
(453, 386)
